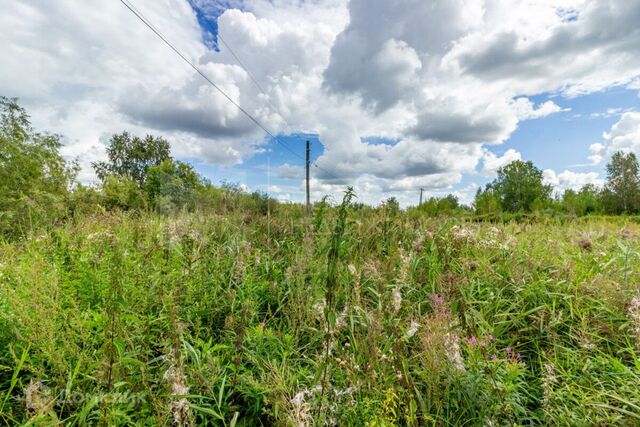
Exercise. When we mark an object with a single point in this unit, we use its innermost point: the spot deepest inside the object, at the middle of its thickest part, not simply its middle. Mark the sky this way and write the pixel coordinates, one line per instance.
(394, 95)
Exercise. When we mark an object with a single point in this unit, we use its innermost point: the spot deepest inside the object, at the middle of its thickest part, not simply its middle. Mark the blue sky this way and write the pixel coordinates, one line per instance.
(395, 95)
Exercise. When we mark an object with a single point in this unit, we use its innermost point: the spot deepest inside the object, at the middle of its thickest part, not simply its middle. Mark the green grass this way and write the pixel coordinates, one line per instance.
(129, 319)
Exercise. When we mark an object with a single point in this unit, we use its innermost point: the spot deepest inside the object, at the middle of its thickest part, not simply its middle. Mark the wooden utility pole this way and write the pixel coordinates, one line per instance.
(421, 190)
(308, 163)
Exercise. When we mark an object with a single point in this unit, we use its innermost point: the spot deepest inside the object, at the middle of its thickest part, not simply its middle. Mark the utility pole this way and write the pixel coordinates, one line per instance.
(308, 163)
(421, 190)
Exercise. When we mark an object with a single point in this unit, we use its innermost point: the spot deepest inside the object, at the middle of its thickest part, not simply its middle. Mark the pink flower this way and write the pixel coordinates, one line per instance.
(509, 350)
(436, 299)
(490, 338)
(473, 340)
(494, 357)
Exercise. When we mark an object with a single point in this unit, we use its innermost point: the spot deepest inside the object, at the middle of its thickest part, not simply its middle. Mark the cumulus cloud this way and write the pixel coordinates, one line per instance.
(597, 153)
(595, 50)
(569, 180)
(525, 109)
(287, 171)
(623, 136)
(491, 163)
(441, 79)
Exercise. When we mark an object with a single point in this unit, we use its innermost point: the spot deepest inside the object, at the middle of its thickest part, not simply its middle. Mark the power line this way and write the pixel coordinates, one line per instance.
(161, 36)
(157, 32)
(259, 86)
(251, 76)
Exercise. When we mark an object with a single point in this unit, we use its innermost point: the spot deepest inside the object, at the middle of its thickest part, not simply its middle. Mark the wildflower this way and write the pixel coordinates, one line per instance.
(341, 320)
(461, 233)
(452, 349)
(548, 381)
(634, 314)
(508, 350)
(403, 273)
(413, 329)
(301, 415)
(397, 299)
(436, 299)
(494, 357)
(318, 309)
(490, 338)
(178, 407)
(352, 269)
(37, 398)
(473, 341)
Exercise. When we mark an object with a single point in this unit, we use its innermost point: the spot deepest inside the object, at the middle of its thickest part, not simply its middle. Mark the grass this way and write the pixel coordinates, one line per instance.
(352, 317)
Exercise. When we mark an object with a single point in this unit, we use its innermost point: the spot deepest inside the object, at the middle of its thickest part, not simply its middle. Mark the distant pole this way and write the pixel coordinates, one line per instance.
(308, 163)
(421, 190)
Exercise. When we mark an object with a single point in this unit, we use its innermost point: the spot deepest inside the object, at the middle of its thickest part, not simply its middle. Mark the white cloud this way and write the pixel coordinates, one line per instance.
(525, 109)
(571, 180)
(624, 135)
(287, 171)
(442, 79)
(491, 163)
(597, 153)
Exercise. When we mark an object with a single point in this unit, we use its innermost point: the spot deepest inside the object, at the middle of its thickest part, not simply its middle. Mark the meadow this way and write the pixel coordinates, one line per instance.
(354, 316)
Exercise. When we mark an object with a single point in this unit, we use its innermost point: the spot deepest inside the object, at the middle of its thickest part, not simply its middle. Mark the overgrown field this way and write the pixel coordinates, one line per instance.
(353, 317)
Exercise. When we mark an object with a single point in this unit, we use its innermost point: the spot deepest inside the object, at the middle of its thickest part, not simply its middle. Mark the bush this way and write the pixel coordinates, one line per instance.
(122, 193)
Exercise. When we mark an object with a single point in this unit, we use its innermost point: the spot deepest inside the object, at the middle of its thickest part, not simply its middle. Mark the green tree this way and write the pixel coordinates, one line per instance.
(583, 202)
(519, 187)
(622, 191)
(435, 206)
(487, 201)
(448, 204)
(172, 184)
(34, 178)
(131, 157)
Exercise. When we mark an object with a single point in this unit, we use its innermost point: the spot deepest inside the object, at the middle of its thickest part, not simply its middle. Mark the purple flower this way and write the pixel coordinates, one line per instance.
(436, 299)
(494, 357)
(490, 338)
(473, 340)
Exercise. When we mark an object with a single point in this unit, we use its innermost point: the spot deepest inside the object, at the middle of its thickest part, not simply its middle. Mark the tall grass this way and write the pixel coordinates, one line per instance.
(366, 317)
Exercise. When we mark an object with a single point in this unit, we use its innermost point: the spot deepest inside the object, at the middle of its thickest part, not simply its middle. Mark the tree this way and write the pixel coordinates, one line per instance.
(487, 201)
(131, 157)
(34, 178)
(172, 184)
(519, 187)
(582, 202)
(622, 191)
(435, 206)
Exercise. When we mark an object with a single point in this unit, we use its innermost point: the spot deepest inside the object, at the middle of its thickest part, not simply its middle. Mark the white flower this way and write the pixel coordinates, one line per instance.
(352, 269)
(452, 348)
(397, 299)
(413, 329)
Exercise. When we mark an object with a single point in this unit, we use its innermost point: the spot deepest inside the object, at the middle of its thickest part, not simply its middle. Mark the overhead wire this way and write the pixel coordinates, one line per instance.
(158, 33)
(259, 86)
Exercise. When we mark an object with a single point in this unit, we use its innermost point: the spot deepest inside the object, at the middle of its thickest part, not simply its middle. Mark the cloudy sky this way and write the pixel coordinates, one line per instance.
(395, 95)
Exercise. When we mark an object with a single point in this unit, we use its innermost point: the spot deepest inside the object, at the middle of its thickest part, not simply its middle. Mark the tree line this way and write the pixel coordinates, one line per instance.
(519, 188)
(39, 187)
